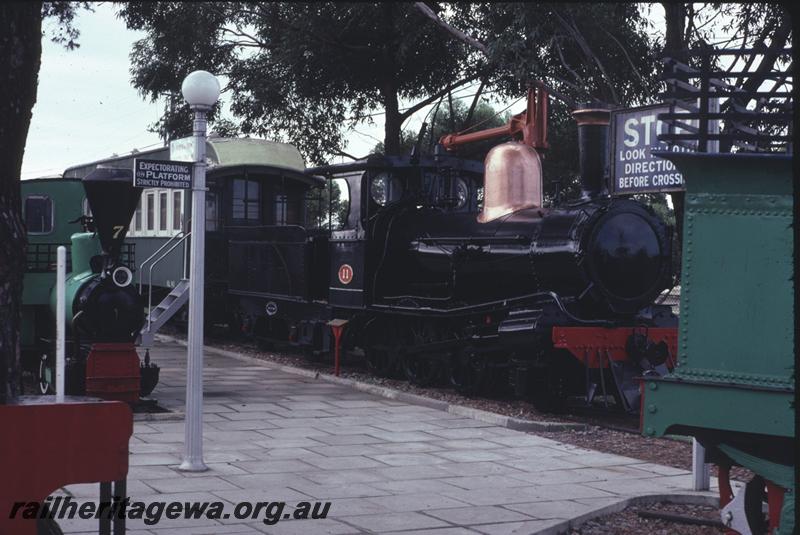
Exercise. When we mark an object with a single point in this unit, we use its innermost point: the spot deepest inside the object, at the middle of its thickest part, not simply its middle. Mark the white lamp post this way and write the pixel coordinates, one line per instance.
(201, 91)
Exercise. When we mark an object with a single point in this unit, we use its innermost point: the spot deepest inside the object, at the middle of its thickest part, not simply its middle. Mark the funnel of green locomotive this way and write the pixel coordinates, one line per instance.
(104, 311)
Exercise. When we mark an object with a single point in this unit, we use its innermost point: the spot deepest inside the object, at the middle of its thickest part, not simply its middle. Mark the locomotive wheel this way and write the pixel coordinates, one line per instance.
(467, 371)
(755, 496)
(548, 391)
(421, 370)
(381, 350)
(384, 362)
(45, 376)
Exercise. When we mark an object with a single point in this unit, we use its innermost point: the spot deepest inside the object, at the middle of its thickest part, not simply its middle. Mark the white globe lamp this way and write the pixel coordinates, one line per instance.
(200, 89)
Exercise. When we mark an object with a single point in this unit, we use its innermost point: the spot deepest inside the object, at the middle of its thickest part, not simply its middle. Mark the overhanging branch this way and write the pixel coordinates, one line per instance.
(458, 34)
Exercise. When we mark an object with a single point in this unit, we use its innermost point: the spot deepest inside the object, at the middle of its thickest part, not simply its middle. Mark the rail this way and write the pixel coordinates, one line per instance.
(149, 258)
(153, 264)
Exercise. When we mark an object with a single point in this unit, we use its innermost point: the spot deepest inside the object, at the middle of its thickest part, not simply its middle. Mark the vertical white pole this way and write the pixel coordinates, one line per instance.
(61, 276)
(701, 477)
(193, 447)
(713, 124)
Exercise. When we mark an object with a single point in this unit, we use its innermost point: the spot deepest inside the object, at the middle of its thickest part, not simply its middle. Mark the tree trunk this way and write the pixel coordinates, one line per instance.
(391, 136)
(20, 56)
(675, 47)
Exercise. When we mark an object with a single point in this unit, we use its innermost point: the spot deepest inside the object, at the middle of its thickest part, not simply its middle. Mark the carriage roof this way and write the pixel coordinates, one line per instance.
(222, 153)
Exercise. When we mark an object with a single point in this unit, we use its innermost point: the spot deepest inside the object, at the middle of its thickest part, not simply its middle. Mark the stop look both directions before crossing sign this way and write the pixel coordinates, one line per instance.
(162, 174)
(634, 169)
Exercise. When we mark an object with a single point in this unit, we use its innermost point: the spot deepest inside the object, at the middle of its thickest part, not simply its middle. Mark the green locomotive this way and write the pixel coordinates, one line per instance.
(103, 306)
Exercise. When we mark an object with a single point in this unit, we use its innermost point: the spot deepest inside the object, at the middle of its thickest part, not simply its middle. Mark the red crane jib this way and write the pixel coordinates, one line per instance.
(530, 125)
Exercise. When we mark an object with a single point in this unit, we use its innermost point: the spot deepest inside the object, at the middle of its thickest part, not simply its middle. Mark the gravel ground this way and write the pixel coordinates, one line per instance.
(629, 522)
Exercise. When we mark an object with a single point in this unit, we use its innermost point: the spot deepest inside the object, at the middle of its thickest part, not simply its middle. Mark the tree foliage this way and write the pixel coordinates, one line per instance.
(297, 71)
(585, 52)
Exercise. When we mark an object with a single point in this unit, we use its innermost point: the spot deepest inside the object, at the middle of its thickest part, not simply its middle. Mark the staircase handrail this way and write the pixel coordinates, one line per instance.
(150, 277)
(141, 266)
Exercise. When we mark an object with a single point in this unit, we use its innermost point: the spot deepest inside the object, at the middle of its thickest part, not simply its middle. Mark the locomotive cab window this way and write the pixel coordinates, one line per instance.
(39, 214)
(328, 206)
(385, 188)
(246, 200)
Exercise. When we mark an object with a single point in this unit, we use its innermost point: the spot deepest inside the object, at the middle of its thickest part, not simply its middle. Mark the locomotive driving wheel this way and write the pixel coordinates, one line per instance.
(467, 371)
(381, 348)
(422, 369)
(45, 376)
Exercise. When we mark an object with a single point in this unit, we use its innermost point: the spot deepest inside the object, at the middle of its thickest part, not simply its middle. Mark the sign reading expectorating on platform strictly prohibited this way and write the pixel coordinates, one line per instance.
(633, 168)
(162, 174)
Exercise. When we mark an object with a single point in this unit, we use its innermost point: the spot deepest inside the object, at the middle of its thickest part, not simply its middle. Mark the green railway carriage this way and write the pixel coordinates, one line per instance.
(51, 208)
(734, 387)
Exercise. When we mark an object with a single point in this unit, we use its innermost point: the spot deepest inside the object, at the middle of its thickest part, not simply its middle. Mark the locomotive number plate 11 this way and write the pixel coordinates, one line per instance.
(345, 273)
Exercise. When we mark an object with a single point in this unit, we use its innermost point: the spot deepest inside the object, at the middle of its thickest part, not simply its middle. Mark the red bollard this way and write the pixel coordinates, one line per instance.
(337, 326)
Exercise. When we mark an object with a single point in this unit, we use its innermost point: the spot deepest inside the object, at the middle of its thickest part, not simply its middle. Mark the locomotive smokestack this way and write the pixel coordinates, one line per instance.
(592, 149)
(112, 199)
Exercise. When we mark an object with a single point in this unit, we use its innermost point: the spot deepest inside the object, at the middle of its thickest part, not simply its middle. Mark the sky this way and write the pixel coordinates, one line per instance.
(88, 110)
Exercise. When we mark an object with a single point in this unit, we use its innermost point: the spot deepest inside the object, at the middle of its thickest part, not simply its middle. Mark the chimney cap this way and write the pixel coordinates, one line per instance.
(590, 116)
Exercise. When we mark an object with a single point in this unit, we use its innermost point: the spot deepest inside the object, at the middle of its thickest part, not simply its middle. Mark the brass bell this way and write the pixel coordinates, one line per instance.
(512, 180)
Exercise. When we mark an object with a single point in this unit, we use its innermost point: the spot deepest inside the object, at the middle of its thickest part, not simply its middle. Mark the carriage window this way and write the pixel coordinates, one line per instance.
(177, 210)
(86, 210)
(385, 188)
(211, 211)
(39, 214)
(163, 206)
(281, 202)
(137, 217)
(150, 208)
(246, 197)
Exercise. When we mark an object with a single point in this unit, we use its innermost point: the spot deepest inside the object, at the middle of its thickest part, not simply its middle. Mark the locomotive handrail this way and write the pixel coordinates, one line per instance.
(150, 274)
(141, 266)
(467, 309)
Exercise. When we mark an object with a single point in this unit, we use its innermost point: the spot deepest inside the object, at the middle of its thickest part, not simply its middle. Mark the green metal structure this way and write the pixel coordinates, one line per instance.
(733, 388)
(48, 206)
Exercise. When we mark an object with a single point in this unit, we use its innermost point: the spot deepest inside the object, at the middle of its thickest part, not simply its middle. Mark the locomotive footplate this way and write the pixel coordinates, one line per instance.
(626, 352)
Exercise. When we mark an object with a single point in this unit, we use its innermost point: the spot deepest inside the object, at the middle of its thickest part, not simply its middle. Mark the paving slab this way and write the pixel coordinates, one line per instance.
(274, 434)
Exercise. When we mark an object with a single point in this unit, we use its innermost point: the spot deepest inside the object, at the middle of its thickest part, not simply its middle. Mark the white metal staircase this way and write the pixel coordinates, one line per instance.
(157, 316)
(167, 308)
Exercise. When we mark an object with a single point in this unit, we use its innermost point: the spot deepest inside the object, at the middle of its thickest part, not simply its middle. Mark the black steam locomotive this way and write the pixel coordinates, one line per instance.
(448, 270)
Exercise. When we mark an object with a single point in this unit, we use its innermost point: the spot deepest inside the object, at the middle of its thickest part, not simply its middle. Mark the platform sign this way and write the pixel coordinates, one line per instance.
(162, 174)
(634, 169)
(182, 149)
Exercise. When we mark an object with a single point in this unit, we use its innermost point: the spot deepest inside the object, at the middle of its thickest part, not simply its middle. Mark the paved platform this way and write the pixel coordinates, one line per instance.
(386, 466)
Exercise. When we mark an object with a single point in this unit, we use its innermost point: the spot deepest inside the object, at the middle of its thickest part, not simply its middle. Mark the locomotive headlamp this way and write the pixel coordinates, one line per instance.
(122, 276)
(200, 89)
